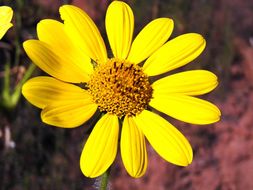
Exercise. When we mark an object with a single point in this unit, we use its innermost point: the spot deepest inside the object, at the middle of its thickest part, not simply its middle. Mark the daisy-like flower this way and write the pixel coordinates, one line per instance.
(6, 14)
(74, 53)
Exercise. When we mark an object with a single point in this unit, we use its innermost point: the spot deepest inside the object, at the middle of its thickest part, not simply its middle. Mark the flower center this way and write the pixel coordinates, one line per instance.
(119, 87)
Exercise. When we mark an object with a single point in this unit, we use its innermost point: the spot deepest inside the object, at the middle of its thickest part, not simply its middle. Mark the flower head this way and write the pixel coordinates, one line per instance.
(6, 14)
(74, 52)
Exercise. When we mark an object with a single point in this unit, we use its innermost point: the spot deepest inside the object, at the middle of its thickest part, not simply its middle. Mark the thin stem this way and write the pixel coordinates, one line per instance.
(10, 100)
(18, 26)
(104, 180)
(17, 92)
(27, 75)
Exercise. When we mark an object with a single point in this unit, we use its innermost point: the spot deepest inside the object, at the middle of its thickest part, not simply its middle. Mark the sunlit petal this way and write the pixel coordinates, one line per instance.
(83, 32)
(52, 32)
(55, 65)
(151, 37)
(68, 114)
(194, 82)
(175, 53)
(6, 14)
(119, 24)
(167, 141)
(43, 91)
(186, 108)
(101, 147)
(133, 148)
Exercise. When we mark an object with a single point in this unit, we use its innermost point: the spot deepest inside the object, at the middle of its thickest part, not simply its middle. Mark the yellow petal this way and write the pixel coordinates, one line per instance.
(167, 141)
(194, 82)
(82, 30)
(119, 24)
(43, 91)
(101, 147)
(175, 53)
(52, 32)
(133, 148)
(68, 114)
(152, 36)
(4, 28)
(6, 14)
(186, 108)
(55, 65)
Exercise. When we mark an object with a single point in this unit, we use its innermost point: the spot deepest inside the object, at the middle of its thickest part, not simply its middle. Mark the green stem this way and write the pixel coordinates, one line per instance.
(17, 92)
(18, 26)
(104, 180)
(10, 100)
(27, 75)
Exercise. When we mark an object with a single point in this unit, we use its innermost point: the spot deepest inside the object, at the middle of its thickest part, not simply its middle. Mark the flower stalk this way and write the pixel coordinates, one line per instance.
(9, 98)
(104, 180)
(18, 26)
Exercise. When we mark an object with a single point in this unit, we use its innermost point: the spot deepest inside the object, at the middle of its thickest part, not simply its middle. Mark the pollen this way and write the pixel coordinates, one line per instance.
(120, 87)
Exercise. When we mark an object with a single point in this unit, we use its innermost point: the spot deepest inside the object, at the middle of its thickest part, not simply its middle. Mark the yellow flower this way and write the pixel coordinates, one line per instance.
(84, 80)
(6, 14)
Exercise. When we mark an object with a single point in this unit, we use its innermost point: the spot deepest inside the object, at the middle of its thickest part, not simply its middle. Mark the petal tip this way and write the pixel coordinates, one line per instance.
(201, 39)
(23, 89)
(63, 9)
(118, 3)
(186, 161)
(86, 171)
(27, 44)
(196, 37)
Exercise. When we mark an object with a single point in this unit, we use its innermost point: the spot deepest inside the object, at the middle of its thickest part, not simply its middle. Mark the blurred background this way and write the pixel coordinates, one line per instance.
(36, 156)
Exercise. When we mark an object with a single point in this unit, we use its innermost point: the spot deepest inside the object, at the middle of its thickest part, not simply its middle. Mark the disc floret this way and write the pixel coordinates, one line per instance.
(120, 87)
